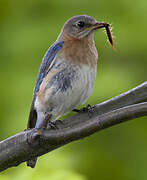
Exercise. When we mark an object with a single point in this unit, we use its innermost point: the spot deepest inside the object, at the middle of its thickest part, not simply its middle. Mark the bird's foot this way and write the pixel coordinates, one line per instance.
(89, 109)
(34, 135)
(55, 124)
(39, 130)
(52, 125)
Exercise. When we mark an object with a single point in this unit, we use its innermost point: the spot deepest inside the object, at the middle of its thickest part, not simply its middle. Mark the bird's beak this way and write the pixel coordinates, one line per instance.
(99, 25)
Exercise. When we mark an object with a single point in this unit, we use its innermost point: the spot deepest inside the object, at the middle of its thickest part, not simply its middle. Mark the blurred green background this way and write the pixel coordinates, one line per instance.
(27, 29)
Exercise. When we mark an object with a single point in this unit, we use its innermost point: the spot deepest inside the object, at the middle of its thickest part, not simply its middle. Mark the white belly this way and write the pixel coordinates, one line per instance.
(59, 102)
(81, 89)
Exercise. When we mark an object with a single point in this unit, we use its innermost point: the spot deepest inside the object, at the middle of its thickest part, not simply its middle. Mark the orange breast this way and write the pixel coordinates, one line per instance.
(80, 52)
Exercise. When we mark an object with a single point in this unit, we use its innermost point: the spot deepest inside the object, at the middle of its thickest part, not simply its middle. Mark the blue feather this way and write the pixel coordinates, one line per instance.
(46, 62)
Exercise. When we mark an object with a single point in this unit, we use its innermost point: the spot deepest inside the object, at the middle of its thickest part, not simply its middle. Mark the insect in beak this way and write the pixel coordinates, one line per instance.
(99, 25)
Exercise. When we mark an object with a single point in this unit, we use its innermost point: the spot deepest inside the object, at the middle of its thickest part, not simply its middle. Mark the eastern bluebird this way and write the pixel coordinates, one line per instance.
(67, 72)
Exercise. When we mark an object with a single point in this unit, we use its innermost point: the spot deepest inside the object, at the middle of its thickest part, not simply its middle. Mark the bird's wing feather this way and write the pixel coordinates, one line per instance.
(46, 62)
(44, 68)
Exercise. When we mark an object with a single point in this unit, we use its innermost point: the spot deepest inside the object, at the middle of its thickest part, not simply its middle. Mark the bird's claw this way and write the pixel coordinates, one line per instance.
(89, 109)
(34, 136)
(55, 124)
(52, 125)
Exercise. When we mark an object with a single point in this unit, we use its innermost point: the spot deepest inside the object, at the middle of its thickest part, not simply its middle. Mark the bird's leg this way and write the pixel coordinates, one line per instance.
(43, 125)
(39, 130)
(89, 109)
(47, 123)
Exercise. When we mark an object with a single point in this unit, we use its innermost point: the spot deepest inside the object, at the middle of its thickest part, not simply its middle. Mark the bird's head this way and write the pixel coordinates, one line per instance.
(82, 26)
(79, 26)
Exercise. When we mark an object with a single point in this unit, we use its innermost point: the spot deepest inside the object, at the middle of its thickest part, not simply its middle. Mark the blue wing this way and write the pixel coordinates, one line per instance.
(46, 62)
(44, 68)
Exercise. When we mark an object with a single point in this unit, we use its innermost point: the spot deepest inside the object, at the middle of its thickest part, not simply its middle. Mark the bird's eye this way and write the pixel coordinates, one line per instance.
(80, 24)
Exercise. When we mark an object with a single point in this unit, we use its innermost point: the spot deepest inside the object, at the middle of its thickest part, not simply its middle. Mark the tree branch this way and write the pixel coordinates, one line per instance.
(127, 106)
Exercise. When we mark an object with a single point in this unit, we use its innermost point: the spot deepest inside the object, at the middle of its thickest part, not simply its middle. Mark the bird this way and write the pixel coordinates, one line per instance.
(67, 73)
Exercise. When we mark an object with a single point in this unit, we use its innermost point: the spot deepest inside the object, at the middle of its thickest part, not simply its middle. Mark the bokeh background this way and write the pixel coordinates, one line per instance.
(27, 29)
